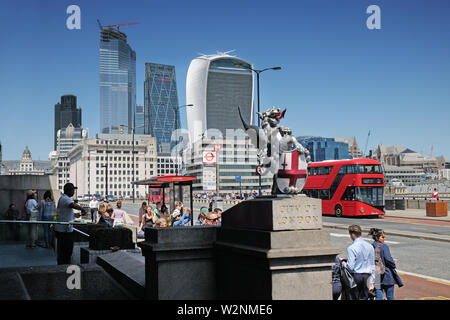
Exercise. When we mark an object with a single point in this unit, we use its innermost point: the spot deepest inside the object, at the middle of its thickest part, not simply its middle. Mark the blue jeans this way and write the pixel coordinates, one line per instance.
(389, 292)
(48, 235)
(94, 215)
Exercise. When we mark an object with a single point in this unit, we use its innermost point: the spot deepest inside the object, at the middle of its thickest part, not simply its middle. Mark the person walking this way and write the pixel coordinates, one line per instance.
(435, 194)
(385, 274)
(336, 278)
(64, 233)
(93, 206)
(32, 210)
(361, 263)
(119, 215)
(48, 210)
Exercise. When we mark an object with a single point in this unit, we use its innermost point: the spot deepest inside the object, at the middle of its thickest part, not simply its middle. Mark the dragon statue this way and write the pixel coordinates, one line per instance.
(279, 153)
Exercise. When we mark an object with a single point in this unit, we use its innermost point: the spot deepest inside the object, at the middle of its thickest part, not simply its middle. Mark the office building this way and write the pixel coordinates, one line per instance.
(321, 149)
(162, 116)
(117, 82)
(66, 112)
(168, 164)
(104, 164)
(139, 120)
(401, 157)
(67, 138)
(216, 85)
(237, 164)
(353, 147)
(407, 175)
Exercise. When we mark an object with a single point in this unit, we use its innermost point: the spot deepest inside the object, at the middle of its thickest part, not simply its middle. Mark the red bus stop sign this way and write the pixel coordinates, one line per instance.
(259, 170)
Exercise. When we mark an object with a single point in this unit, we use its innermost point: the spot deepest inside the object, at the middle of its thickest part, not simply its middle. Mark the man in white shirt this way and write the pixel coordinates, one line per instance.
(64, 232)
(93, 206)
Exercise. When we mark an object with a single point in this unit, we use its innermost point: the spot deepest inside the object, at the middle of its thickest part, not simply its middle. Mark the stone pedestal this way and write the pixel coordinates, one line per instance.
(274, 248)
(437, 209)
(179, 263)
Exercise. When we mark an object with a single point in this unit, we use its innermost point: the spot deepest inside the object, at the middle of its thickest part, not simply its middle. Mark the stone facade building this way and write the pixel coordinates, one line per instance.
(104, 164)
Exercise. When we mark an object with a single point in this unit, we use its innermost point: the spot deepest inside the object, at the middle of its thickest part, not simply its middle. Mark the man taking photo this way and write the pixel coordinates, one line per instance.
(64, 232)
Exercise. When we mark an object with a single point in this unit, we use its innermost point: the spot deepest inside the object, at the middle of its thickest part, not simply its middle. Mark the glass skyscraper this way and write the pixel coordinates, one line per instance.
(322, 149)
(139, 119)
(117, 81)
(162, 116)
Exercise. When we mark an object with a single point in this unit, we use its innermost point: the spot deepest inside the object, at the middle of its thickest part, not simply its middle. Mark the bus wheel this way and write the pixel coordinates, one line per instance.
(338, 211)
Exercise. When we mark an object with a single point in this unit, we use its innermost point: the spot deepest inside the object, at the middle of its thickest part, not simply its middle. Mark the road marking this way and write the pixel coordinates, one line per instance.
(347, 236)
(434, 298)
(432, 279)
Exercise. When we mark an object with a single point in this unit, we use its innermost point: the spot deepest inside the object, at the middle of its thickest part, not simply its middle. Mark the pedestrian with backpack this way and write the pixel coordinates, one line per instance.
(385, 274)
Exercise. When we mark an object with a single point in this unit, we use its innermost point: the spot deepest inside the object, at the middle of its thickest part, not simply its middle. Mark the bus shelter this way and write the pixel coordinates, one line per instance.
(172, 182)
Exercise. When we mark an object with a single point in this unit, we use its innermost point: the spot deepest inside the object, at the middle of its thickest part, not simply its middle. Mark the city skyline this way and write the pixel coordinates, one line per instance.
(334, 70)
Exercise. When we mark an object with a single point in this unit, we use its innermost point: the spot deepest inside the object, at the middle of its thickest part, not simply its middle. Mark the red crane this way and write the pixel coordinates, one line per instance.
(121, 24)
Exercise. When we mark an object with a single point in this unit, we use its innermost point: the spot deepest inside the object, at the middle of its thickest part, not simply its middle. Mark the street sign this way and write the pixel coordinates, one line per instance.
(209, 157)
(238, 178)
(259, 170)
(209, 178)
(217, 147)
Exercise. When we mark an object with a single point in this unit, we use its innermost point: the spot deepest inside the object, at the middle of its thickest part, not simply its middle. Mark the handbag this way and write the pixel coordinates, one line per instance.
(347, 278)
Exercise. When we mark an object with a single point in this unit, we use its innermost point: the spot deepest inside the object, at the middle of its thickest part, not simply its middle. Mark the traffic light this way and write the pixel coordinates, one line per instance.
(121, 129)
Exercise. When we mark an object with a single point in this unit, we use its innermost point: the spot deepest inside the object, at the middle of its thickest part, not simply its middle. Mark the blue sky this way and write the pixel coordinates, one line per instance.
(338, 78)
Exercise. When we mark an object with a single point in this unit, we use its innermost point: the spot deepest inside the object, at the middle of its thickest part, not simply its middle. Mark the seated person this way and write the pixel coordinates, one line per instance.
(184, 219)
(105, 217)
(148, 221)
(202, 216)
(161, 223)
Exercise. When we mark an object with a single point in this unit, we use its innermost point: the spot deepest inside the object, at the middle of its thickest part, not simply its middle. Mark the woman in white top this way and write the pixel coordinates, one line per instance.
(119, 215)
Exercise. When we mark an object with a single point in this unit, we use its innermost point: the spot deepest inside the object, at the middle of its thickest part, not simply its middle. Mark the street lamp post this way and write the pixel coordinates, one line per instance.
(133, 129)
(257, 88)
(176, 109)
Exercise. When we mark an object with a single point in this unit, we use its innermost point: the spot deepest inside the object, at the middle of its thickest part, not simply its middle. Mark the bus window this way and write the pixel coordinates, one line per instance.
(349, 194)
(324, 194)
(343, 170)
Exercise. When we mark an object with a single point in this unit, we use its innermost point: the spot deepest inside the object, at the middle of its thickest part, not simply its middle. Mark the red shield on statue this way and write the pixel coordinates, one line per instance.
(292, 172)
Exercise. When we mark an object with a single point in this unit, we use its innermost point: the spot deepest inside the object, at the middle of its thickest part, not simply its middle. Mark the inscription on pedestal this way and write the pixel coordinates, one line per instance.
(297, 213)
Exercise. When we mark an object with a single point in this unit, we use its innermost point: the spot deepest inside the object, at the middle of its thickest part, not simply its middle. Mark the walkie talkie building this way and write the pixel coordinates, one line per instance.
(216, 85)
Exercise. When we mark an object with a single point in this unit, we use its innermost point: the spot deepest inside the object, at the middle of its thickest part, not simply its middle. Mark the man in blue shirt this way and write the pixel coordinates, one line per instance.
(361, 263)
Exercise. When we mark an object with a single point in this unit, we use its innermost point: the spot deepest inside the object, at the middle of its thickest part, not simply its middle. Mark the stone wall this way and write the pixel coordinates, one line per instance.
(13, 188)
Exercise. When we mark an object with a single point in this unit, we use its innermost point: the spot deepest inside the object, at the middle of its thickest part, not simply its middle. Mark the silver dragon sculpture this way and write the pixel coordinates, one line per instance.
(278, 151)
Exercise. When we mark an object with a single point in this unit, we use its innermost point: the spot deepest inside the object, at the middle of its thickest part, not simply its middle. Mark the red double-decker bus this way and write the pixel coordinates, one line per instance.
(347, 187)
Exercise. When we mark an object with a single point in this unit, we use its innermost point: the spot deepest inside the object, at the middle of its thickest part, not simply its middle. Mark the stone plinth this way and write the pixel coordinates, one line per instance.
(437, 209)
(179, 263)
(274, 249)
(274, 214)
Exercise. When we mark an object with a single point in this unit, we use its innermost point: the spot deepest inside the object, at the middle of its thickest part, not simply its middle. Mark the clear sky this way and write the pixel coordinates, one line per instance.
(338, 78)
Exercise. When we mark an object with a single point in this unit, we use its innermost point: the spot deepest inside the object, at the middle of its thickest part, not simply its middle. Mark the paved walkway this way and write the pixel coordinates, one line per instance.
(414, 214)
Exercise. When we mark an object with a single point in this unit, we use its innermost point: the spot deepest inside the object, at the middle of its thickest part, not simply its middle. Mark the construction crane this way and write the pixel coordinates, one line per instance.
(115, 25)
(367, 141)
(121, 24)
